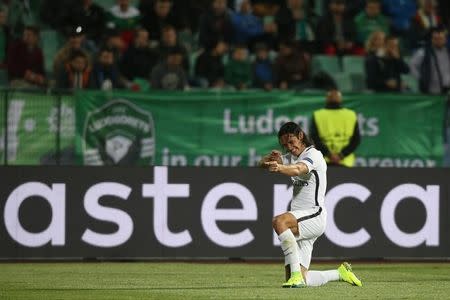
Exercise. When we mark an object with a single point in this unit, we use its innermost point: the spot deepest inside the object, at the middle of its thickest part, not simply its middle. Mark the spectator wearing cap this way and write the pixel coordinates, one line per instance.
(169, 74)
(209, 67)
(139, 59)
(215, 24)
(336, 33)
(75, 41)
(159, 16)
(91, 17)
(125, 18)
(76, 73)
(370, 20)
(262, 68)
(292, 68)
(423, 21)
(431, 64)
(25, 60)
(105, 73)
(169, 41)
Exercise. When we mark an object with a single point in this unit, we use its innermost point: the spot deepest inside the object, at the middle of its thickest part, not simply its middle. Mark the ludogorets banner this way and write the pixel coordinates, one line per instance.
(235, 129)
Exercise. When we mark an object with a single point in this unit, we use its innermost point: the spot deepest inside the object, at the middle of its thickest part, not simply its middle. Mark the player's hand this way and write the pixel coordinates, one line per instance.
(275, 155)
(273, 166)
(335, 158)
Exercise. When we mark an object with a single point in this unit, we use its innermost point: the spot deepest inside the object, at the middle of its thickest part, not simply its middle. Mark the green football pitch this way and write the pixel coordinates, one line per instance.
(213, 280)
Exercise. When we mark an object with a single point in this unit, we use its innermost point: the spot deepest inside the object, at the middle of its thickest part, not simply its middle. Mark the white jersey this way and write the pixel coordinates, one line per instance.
(309, 189)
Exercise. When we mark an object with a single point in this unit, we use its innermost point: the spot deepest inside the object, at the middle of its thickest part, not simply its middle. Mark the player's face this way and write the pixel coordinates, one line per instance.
(292, 144)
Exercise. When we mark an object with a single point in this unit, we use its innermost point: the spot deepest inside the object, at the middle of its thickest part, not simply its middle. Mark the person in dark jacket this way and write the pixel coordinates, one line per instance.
(386, 75)
(209, 66)
(336, 33)
(161, 15)
(105, 74)
(292, 68)
(215, 24)
(139, 59)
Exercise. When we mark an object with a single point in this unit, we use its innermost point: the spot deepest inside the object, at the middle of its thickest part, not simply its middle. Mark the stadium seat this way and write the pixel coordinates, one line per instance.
(343, 81)
(51, 42)
(358, 82)
(107, 4)
(3, 77)
(411, 83)
(353, 64)
(328, 64)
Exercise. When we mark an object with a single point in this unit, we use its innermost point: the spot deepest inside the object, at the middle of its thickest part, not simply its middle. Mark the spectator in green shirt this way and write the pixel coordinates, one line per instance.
(125, 18)
(238, 71)
(370, 20)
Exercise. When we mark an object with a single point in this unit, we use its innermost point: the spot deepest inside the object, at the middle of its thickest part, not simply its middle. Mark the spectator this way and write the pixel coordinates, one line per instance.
(246, 25)
(352, 8)
(105, 74)
(335, 131)
(25, 60)
(370, 20)
(336, 33)
(91, 17)
(238, 70)
(431, 64)
(112, 39)
(424, 20)
(76, 73)
(387, 75)
(262, 68)
(215, 24)
(169, 41)
(125, 18)
(4, 37)
(76, 41)
(160, 16)
(169, 74)
(292, 67)
(375, 52)
(139, 59)
(293, 22)
(209, 67)
(400, 13)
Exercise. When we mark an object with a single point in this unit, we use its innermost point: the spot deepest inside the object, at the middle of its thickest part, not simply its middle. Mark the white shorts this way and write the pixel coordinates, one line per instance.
(311, 225)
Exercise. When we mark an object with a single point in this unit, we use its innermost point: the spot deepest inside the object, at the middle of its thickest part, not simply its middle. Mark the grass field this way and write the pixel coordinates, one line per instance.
(209, 280)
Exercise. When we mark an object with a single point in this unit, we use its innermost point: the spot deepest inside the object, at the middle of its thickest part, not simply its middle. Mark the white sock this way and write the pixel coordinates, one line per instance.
(290, 250)
(318, 278)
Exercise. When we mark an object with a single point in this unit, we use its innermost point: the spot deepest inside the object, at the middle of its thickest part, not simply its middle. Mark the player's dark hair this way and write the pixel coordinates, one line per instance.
(295, 129)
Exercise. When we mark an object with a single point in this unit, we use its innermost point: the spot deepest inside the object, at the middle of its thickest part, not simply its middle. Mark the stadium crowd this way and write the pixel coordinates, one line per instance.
(392, 45)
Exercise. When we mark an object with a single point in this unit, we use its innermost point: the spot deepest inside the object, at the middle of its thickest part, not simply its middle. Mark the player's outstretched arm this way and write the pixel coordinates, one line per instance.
(289, 170)
(275, 155)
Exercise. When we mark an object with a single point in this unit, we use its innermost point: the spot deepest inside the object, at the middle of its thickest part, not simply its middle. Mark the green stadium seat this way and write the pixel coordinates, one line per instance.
(353, 64)
(107, 4)
(411, 83)
(51, 42)
(343, 81)
(325, 63)
(358, 82)
(3, 77)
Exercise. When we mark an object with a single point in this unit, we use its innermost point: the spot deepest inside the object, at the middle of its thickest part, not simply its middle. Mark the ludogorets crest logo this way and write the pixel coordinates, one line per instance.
(119, 133)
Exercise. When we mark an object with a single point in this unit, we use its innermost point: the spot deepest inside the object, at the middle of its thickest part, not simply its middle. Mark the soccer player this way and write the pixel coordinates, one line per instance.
(299, 228)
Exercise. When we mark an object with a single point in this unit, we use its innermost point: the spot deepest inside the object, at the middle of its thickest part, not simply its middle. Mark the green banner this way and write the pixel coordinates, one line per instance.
(35, 134)
(236, 128)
